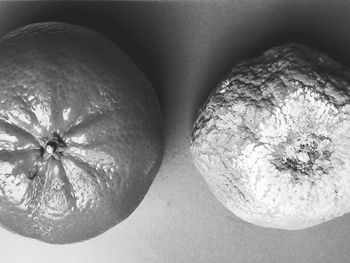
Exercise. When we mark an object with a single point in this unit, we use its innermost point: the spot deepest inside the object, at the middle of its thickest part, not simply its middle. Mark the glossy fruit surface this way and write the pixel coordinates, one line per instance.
(273, 141)
(80, 133)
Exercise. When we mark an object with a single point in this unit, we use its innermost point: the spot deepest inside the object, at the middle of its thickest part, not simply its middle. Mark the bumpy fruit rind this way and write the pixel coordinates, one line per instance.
(272, 140)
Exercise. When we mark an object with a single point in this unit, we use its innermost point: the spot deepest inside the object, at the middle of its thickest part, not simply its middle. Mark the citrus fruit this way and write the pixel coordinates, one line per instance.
(272, 140)
(80, 133)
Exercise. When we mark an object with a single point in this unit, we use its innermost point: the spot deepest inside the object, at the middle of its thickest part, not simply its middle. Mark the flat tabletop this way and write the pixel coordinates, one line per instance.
(185, 48)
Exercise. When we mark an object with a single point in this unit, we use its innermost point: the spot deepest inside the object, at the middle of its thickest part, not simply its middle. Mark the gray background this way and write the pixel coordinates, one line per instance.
(185, 49)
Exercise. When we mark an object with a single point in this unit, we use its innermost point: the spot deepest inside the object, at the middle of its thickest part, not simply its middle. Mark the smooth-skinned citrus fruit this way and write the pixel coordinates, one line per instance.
(273, 141)
(80, 133)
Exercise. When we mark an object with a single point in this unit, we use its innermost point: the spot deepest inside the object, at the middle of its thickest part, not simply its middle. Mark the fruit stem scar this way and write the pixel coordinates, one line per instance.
(53, 147)
(303, 157)
(49, 149)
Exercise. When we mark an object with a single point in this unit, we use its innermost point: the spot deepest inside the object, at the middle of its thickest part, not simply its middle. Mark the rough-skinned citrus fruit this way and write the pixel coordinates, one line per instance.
(80, 133)
(272, 141)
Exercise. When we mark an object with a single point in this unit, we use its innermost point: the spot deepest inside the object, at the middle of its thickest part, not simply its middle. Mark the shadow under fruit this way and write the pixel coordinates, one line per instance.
(80, 133)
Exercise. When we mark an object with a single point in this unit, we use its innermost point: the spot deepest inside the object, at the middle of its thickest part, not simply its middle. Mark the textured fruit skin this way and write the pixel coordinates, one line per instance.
(80, 133)
(272, 140)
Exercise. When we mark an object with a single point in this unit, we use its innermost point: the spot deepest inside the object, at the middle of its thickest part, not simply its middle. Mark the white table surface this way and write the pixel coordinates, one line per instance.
(185, 49)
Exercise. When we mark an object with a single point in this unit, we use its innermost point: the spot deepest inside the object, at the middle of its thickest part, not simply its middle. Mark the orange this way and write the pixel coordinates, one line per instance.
(272, 140)
(80, 133)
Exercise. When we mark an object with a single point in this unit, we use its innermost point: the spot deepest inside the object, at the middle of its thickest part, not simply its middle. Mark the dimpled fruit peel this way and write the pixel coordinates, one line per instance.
(273, 139)
(80, 133)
